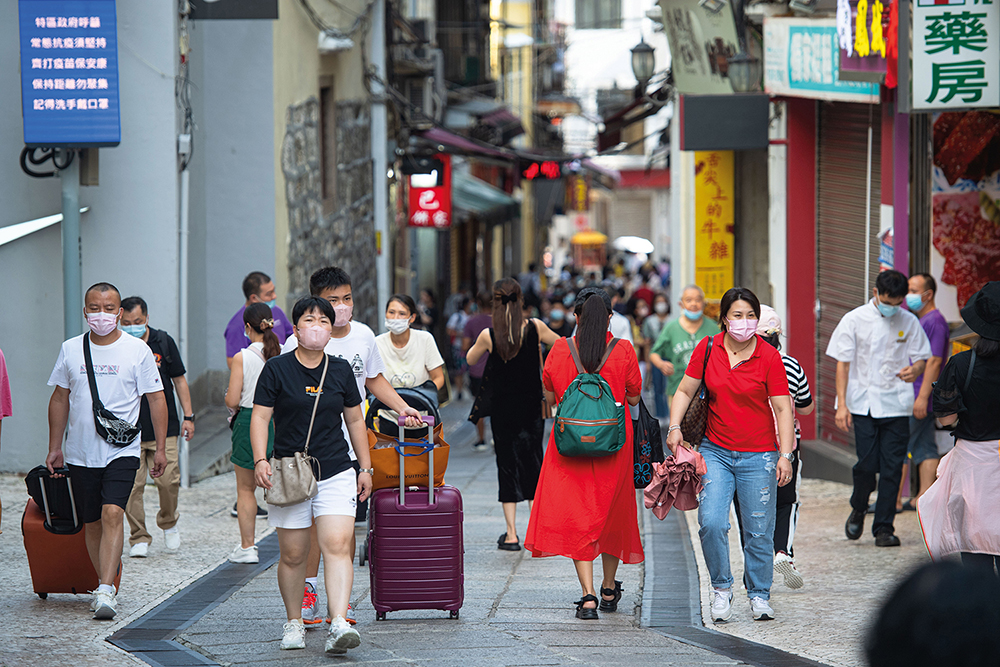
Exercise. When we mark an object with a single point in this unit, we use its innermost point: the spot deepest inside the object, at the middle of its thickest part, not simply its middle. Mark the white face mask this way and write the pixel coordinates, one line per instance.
(397, 326)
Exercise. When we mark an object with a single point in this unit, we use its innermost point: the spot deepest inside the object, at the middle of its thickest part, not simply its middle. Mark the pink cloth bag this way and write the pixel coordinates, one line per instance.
(676, 483)
(959, 511)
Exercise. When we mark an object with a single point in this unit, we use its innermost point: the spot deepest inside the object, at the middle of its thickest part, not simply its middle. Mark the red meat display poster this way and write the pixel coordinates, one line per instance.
(966, 206)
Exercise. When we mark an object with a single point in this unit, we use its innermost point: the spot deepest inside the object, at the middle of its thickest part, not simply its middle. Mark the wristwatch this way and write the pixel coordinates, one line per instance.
(789, 456)
(189, 418)
(370, 471)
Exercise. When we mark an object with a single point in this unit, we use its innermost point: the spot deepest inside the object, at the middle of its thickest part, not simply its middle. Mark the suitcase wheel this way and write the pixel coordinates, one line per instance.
(363, 553)
(380, 616)
(453, 614)
(44, 596)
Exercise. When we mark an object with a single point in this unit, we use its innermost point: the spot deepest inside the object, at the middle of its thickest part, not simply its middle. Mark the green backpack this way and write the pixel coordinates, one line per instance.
(590, 422)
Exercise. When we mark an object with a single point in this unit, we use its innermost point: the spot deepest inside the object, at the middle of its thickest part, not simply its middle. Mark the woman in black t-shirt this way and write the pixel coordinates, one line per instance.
(958, 513)
(287, 390)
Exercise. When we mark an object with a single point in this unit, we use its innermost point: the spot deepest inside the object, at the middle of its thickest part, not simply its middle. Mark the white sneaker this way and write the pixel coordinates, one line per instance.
(172, 539)
(342, 636)
(104, 605)
(138, 550)
(761, 609)
(93, 600)
(722, 604)
(294, 635)
(785, 566)
(241, 555)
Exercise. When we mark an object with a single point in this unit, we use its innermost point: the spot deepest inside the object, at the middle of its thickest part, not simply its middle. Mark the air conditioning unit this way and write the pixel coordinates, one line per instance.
(426, 30)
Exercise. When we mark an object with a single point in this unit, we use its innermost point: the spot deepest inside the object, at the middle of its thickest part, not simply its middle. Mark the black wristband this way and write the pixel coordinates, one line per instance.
(258, 461)
(189, 418)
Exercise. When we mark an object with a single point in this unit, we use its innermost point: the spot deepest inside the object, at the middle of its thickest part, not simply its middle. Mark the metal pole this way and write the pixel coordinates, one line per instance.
(380, 168)
(182, 302)
(72, 278)
(868, 207)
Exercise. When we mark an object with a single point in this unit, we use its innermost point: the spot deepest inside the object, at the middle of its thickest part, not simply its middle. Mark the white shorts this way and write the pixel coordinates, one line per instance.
(337, 496)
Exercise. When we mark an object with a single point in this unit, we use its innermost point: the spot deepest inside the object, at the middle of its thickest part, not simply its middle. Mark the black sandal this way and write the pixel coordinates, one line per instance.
(585, 613)
(611, 605)
(504, 545)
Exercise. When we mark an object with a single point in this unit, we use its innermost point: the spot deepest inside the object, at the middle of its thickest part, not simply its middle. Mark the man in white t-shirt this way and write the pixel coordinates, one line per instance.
(353, 342)
(102, 473)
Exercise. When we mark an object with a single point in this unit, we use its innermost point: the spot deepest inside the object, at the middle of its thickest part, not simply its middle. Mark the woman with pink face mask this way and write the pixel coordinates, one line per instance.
(287, 390)
(745, 379)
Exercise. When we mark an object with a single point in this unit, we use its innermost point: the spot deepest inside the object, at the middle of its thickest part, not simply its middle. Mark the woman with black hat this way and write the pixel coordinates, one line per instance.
(958, 513)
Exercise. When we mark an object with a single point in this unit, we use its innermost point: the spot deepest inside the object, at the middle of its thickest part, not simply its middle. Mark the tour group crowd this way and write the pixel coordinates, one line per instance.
(300, 384)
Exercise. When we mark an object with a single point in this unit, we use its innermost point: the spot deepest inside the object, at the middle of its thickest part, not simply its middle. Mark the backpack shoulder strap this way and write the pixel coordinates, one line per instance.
(607, 354)
(575, 353)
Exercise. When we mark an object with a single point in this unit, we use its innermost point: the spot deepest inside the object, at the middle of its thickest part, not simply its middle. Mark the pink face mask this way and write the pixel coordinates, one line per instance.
(343, 314)
(314, 337)
(741, 330)
(102, 323)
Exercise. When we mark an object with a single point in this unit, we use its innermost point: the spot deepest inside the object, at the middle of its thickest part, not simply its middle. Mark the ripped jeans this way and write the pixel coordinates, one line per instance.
(752, 475)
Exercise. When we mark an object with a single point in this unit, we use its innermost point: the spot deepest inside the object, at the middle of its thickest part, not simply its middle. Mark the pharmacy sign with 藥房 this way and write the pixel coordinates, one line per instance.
(956, 54)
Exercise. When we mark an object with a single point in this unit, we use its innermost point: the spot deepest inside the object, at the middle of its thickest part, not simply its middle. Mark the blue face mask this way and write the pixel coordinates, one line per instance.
(914, 302)
(137, 330)
(271, 304)
(556, 315)
(693, 315)
(886, 310)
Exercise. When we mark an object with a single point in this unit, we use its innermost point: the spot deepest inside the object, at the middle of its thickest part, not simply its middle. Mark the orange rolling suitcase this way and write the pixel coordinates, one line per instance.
(56, 547)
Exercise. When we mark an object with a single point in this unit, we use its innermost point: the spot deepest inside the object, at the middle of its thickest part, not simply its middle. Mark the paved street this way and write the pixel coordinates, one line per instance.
(517, 609)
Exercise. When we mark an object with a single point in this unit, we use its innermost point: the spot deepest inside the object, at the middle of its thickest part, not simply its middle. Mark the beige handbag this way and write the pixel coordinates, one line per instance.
(292, 478)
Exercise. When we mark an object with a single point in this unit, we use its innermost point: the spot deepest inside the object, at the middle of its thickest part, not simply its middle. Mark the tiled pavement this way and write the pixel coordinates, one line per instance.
(517, 609)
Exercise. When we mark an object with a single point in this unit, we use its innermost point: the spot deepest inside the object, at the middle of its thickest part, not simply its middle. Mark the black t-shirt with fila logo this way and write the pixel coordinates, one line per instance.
(290, 388)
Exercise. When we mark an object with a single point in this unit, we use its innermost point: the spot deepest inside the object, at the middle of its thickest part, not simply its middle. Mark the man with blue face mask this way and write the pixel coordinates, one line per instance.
(135, 322)
(257, 286)
(879, 348)
(673, 347)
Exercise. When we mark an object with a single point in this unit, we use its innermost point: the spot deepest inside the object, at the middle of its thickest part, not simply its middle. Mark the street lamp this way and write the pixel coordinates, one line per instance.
(643, 62)
(744, 73)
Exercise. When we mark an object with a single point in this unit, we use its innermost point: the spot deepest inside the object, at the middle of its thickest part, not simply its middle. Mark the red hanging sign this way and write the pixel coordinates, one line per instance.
(430, 196)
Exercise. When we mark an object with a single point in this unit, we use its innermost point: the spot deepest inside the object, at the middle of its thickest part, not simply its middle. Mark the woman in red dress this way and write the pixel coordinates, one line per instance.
(585, 506)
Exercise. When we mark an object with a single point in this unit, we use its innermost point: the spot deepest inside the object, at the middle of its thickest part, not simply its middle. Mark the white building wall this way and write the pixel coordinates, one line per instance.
(129, 235)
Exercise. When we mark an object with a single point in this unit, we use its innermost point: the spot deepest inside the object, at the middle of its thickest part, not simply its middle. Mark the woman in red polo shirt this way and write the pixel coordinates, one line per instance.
(746, 381)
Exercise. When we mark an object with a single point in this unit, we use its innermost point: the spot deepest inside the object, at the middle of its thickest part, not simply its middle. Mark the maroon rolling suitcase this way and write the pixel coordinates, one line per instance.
(415, 547)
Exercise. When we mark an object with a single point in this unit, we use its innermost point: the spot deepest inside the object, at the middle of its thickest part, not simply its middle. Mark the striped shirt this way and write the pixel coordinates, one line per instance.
(798, 387)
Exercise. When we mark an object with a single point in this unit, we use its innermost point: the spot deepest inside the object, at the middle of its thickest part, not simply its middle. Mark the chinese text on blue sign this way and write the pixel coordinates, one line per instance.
(69, 72)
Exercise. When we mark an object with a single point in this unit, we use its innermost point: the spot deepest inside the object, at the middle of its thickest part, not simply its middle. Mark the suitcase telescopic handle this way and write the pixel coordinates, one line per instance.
(64, 471)
(429, 420)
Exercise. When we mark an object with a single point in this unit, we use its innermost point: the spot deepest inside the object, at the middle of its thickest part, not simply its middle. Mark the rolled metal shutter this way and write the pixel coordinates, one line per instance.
(631, 215)
(841, 262)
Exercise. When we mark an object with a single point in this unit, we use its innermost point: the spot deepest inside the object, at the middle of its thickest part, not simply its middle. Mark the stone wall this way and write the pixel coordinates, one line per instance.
(346, 236)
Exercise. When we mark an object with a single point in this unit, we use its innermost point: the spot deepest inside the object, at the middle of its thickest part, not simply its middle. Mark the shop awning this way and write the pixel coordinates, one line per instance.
(477, 196)
(588, 238)
(454, 143)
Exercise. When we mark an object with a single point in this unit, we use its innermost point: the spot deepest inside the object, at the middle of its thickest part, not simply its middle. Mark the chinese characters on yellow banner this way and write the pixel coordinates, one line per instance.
(713, 218)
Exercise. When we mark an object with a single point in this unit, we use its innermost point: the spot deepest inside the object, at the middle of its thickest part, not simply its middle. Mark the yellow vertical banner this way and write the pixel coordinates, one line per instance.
(713, 222)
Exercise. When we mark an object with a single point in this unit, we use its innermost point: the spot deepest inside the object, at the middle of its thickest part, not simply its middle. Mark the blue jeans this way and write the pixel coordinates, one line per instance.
(752, 476)
(660, 393)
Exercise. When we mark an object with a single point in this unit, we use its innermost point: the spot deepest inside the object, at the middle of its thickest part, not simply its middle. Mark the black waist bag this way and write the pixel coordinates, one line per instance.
(112, 430)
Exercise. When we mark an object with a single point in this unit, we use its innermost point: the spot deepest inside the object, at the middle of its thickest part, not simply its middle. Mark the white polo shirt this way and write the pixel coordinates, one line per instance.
(877, 348)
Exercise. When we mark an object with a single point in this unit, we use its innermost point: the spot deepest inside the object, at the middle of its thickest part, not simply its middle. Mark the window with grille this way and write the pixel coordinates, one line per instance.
(598, 14)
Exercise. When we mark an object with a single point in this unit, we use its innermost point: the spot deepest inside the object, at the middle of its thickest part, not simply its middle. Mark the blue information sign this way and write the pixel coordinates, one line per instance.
(69, 73)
